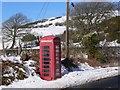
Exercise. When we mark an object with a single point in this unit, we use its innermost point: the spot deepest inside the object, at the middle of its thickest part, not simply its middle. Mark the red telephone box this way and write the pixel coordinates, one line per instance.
(50, 58)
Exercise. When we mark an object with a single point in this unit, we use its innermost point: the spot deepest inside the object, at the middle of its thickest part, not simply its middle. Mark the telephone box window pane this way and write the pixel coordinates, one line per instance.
(57, 54)
(46, 74)
(57, 47)
(57, 74)
(45, 62)
(45, 54)
(45, 50)
(46, 59)
(46, 70)
(57, 58)
(45, 66)
(46, 47)
(57, 70)
(57, 67)
(57, 50)
(57, 62)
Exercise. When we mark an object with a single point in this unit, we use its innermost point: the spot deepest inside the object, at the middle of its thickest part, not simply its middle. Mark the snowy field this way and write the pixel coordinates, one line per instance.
(51, 30)
(81, 75)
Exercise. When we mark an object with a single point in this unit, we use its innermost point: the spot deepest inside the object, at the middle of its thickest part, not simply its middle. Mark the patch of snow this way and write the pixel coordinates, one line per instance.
(29, 62)
(63, 70)
(53, 30)
(85, 66)
(110, 44)
(10, 70)
(77, 44)
(2, 58)
(62, 59)
(11, 58)
(85, 56)
(113, 44)
(60, 20)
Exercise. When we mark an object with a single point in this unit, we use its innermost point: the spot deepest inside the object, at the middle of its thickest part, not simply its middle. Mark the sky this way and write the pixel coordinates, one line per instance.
(33, 9)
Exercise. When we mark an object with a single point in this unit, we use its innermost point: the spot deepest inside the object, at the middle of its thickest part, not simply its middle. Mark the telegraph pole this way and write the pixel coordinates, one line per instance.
(67, 29)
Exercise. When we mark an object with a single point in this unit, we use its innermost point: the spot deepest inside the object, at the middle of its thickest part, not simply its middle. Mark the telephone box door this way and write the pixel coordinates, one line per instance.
(46, 62)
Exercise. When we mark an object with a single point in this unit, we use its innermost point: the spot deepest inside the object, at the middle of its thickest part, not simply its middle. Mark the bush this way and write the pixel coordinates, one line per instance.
(12, 71)
(25, 56)
(99, 56)
(69, 63)
(90, 42)
(46, 25)
(58, 17)
(28, 37)
(7, 80)
(59, 24)
(41, 26)
(52, 19)
(50, 24)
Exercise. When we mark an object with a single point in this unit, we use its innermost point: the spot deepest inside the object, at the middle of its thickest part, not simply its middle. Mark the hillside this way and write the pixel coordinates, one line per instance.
(51, 26)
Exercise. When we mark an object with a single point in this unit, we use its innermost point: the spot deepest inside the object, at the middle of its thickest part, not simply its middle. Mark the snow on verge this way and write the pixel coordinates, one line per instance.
(69, 79)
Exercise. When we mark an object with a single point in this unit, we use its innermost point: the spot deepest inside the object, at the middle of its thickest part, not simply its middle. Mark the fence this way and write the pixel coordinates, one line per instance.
(15, 52)
(111, 51)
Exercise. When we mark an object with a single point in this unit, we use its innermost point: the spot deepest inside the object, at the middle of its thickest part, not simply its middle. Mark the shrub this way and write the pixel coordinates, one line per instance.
(52, 19)
(90, 42)
(59, 24)
(28, 37)
(41, 26)
(58, 17)
(46, 25)
(99, 56)
(12, 71)
(69, 63)
(50, 24)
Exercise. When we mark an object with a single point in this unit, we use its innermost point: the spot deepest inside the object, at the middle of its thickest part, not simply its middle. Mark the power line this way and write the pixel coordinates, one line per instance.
(42, 9)
(47, 4)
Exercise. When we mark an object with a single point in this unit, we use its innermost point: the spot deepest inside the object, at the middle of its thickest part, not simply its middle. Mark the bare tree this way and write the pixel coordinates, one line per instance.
(10, 27)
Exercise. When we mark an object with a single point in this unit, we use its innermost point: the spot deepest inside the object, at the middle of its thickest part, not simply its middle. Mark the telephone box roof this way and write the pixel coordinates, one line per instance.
(49, 37)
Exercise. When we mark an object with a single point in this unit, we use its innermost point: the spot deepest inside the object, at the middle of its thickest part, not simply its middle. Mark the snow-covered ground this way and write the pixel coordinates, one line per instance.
(81, 75)
(50, 30)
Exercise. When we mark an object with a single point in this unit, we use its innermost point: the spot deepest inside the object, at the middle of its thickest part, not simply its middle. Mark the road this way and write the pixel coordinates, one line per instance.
(103, 84)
